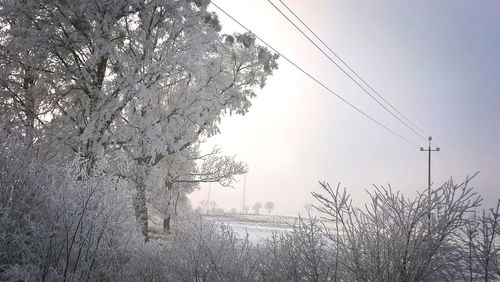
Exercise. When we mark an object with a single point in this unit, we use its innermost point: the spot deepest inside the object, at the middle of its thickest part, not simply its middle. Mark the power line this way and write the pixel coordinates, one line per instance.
(344, 71)
(316, 80)
(352, 70)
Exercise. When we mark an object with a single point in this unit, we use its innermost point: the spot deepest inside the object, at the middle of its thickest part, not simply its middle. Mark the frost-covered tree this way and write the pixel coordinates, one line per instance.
(210, 167)
(135, 82)
(25, 94)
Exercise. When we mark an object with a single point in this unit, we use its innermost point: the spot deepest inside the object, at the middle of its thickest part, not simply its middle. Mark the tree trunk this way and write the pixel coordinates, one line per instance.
(29, 103)
(166, 223)
(141, 210)
(166, 219)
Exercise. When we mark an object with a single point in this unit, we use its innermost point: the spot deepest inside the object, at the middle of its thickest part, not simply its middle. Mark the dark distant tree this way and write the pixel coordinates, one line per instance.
(269, 206)
(257, 207)
(308, 207)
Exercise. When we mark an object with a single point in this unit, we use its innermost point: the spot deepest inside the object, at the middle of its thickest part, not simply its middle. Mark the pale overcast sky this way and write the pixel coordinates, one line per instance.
(438, 62)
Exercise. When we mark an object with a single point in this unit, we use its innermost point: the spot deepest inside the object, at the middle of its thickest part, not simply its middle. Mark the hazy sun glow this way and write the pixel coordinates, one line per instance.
(437, 62)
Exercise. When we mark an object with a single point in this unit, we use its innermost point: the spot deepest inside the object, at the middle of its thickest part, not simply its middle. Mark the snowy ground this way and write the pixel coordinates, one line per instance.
(258, 227)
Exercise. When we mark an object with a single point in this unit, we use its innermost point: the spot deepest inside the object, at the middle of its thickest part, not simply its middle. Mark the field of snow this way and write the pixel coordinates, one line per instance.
(258, 227)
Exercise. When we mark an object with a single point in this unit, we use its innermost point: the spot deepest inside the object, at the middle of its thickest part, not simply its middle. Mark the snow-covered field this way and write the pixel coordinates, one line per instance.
(258, 227)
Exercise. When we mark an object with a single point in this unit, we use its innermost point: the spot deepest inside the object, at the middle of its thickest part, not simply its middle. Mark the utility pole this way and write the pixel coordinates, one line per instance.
(208, 197)
(244, 188)
(209, 188)
(429, 177)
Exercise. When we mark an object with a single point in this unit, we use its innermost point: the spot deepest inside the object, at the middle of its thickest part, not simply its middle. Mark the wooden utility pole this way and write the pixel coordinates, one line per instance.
(429, 149)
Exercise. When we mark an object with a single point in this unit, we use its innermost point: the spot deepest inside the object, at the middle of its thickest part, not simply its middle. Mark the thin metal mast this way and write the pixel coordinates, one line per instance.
(244, 188)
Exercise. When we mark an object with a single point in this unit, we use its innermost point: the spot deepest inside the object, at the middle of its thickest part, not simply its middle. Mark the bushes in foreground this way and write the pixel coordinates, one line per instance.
(60, 224)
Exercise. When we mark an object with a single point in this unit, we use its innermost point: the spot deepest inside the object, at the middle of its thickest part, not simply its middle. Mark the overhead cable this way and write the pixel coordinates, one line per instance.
(316, 80)
(346, 73)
